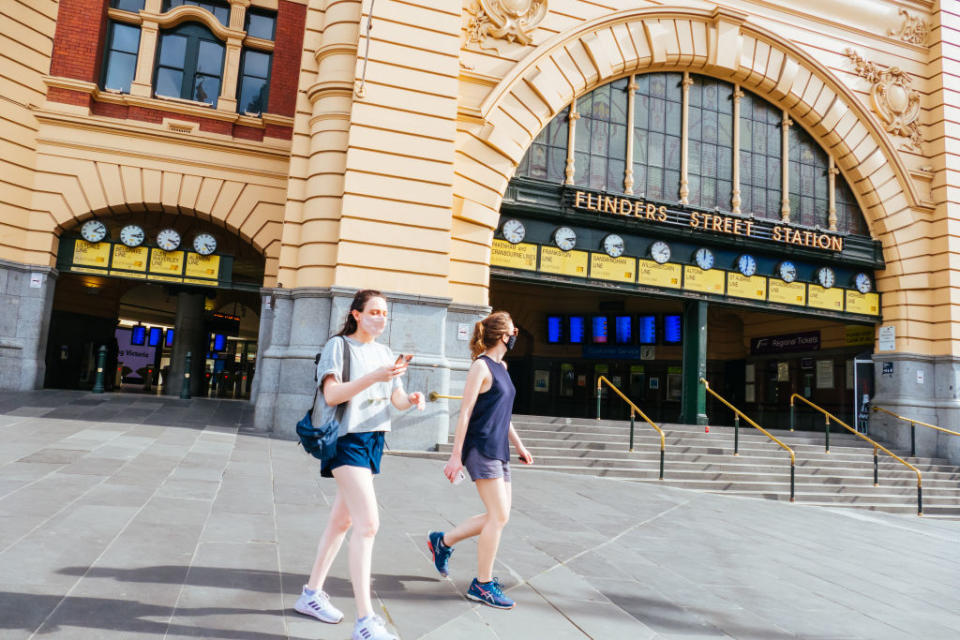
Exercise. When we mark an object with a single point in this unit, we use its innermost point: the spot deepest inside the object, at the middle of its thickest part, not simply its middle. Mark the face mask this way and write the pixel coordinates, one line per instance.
(374, 325)
(512, 340)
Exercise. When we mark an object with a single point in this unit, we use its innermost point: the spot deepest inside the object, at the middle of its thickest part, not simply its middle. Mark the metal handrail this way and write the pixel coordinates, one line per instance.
(876, 445)
(913, 430)
(634, 409)
(736, 434)
(434, 396)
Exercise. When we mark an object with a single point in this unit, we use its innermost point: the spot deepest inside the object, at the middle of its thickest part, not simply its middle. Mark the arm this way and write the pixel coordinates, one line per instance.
(336, 392)
(403, 401)
(475, 378)
(525, 456)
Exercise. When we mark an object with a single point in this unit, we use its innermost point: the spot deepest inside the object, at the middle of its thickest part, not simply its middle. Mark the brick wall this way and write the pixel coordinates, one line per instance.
(78, 42)
(291, 18)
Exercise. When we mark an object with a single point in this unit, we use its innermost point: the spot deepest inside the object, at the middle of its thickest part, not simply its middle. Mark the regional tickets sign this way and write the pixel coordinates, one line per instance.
(710, 281)
(567, 263)
(515, 256)
(603, 267)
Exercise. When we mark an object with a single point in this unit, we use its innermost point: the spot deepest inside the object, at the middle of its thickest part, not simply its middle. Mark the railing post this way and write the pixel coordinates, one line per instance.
(792, 414)
(661, 463)
(101, 363)
(599, 387)
(185, 387)
(919, 499)
(632, 420)
(876, 469)
(736, 434)
(826, 432)
(913, 439)
(792, 475)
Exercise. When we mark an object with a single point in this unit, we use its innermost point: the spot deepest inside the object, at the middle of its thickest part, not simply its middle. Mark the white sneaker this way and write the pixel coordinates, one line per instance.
(372, 628)
(318, 605)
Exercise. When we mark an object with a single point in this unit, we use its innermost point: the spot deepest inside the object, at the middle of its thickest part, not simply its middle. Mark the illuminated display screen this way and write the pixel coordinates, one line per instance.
(169, 341)
(672, 329)
(138, 335)
(576, 324)
(599, 326)
(156, 334)
(554, 329)
(219, 342)
(624, 329)
(647, 329)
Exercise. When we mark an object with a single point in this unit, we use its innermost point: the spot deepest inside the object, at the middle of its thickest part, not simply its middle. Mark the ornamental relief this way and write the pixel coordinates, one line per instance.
(513, 21)
(913, 30)
(892, 99)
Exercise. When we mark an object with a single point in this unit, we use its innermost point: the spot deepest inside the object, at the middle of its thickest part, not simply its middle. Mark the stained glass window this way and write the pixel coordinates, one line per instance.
(849, 217)
(710, 127)
(809, 182)
(546, 158)
(657, 129)
(601, 139)
(760, 161)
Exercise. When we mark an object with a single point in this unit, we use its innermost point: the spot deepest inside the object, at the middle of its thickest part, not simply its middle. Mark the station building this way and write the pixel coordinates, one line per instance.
(759, 194)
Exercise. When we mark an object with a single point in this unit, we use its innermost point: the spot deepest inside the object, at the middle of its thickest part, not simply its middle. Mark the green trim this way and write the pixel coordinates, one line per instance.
(693, 401)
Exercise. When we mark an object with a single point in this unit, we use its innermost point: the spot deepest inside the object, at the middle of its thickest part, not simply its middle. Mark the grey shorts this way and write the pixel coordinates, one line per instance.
(480, 467)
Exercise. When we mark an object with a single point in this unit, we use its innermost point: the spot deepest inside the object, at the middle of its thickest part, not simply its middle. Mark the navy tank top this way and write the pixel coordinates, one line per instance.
(489, 429)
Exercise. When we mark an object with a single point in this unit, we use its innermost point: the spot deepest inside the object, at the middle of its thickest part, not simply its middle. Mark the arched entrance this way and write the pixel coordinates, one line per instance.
(152, 287)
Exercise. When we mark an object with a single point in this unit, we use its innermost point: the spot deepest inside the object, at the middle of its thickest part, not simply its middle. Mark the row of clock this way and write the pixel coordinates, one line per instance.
(565, 238)
(133, 235)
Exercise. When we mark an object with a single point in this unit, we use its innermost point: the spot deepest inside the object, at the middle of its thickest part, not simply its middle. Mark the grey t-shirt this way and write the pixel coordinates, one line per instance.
(369, 410)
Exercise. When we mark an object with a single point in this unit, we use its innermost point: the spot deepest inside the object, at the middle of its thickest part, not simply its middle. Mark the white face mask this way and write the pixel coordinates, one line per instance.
(374, 325)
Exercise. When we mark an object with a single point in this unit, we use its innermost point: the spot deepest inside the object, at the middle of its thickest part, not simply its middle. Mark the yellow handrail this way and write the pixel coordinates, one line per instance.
(913, 431)
(434, 396)
(740, 414)
(634, 409)
(876, 445)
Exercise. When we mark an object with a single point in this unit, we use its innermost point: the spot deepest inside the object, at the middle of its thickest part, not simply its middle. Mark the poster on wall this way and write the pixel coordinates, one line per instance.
(750, 393)
(824, 374)
(567, 380)
(750, 372)
(783, 372)
(541, 381)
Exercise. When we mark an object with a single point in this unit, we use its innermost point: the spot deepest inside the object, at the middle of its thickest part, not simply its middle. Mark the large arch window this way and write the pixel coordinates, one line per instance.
(742, 153)
(189, 64)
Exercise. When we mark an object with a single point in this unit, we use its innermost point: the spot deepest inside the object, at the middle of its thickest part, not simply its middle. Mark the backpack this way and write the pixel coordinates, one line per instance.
(321, 442)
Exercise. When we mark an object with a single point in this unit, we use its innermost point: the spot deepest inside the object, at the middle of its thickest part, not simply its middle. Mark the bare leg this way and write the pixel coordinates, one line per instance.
(356, 486)
(471, 526)
(330, 542)
(496, 498)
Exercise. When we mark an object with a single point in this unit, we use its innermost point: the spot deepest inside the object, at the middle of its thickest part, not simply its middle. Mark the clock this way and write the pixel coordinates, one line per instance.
(513, 231)
(704, 258)
(747, 264)
(862, 282)
(787, 271)
(826, 277)
(93, 231)
(168, 239)
(132, 235)
(613, 245)
(204, 244)
(660, 251)
(565, 238)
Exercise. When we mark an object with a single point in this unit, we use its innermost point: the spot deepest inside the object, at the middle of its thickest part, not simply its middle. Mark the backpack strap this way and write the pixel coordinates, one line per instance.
(344, 377)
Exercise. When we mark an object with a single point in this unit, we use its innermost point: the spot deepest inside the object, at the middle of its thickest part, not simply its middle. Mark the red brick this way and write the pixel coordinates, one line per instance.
(278, 131)
(247, 133)
(285, 73)
(69, 96)
(78, 41)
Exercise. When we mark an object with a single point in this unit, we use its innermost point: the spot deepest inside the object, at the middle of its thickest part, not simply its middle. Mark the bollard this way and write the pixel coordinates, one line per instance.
(632, 421)
(826, 436)
(101, 363)
(736, 434)
(913, 440)
(185, 388)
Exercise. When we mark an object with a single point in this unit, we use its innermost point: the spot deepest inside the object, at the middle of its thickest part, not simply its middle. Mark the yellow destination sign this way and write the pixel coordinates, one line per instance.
(752, 287)
(659, 275)
(166, 263)
(127, 274)
(130, 258)
(88, 254)
(567, 263)
(788, 292)
(205, 283)
(199, 266)
(856, 334)
(515, 256)
(604, 267)
(865, 303)
(821, 298)
(696, 279)
(153, 276)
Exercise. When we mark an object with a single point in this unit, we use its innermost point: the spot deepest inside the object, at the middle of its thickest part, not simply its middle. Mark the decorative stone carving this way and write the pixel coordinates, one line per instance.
(510, 20)
(893, 100)
(913, 30)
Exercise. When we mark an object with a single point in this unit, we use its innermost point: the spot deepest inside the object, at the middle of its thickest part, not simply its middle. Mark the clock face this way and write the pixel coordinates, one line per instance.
(613, 245)
(132, 235)
(826, 277)
(93, 231)
(704, 258)
(787, 271)
(168, 239)
(513, 231)
(747, 264)
(862, 283)
(660, 251)
(204, 244)
(565, 238)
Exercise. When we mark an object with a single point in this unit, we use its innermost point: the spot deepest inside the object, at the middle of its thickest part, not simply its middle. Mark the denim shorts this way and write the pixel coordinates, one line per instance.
(356, 450)
(480, 467)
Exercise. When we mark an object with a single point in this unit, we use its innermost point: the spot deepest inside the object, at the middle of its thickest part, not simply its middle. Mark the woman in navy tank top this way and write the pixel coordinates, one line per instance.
(481, 445)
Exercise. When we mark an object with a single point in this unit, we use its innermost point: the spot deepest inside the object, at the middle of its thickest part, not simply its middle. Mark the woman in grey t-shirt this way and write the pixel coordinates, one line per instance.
(373, 385)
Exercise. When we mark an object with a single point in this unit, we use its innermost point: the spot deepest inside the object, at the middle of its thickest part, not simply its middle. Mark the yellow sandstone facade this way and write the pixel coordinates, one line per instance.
(390, 168)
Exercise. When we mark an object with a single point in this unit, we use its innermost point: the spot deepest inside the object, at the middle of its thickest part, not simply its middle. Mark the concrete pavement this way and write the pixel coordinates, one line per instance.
(135, 518)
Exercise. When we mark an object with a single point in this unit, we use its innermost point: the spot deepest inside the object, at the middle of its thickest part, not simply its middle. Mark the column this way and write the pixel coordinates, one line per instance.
(735, 200)
(693, 403)
(684, 140)
(571, 143)
(231, 70)
(785, 154)
(142, 84)
(832, 172)
(188, 335)
(631, 101)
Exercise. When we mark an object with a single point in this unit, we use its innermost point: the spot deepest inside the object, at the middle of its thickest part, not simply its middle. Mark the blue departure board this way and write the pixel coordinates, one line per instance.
(647, 329)
(576, 333)
(169, 340)
(624, 329)
(554, 329)
(599, 326)
(672, 329)
(156, 333)
(138, 335)
(219, 342)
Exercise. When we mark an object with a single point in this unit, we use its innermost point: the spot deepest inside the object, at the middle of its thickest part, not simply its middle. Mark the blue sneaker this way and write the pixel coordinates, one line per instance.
(490, 594)
(441, 552)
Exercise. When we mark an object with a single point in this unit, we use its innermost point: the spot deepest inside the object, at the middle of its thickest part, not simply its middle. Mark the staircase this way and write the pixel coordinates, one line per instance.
(706, 462)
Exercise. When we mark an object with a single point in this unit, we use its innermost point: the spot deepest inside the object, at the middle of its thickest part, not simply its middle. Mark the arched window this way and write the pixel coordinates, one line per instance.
(849, 218)
(601, 140)
(710, 167)
(219, 8)
(809, 182)
(657, 127)
(760, 161)
(189, 64)
(547, 156)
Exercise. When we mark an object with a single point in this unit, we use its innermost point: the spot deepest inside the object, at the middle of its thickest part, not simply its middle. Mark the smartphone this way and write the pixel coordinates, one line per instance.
(401, 358)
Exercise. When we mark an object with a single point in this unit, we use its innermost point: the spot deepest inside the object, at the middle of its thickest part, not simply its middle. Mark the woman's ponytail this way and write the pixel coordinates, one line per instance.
(476, 343)
(488, 331)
